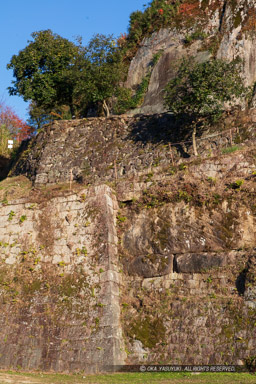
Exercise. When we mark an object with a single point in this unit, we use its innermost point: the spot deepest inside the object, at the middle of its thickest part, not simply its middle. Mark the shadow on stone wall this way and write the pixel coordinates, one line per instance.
(165, 129)
(240, 282)
(5, 165)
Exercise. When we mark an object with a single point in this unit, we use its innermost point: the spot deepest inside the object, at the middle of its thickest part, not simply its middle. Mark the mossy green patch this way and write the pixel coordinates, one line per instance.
(149, 331)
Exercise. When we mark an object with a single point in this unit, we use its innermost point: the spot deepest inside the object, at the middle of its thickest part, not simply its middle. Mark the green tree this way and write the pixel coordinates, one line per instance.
(44, 71)
(54, 73)
(38, 116)
(201, 91)
(103, 74)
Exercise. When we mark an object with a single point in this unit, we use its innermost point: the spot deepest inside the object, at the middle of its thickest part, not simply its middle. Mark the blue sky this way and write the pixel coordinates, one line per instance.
(68, 18)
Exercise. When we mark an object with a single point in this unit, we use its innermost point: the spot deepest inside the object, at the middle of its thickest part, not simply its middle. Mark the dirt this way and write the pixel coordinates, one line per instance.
(13, 379)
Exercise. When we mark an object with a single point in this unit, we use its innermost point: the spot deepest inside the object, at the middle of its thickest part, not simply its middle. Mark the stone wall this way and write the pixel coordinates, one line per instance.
(188, 252)
(153, 262)
(119, 148)
(59, 282)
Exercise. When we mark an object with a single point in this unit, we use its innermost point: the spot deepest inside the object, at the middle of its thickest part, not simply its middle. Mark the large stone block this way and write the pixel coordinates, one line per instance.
(199, 262)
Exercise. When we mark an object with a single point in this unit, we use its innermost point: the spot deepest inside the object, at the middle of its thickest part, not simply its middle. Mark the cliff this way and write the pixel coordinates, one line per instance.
(149, 256)
(204, 29)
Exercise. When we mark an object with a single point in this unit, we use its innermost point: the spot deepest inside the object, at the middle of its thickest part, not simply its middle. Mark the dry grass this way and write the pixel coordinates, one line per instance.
(13, 188)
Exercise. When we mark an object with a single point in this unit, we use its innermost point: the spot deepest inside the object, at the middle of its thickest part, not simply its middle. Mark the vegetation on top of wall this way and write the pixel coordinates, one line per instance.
(158, 14)
(63, 80)
(166, 13)
(200, 90)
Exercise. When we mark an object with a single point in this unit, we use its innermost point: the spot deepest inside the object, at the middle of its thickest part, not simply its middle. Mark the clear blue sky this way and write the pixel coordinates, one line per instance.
(68, 18)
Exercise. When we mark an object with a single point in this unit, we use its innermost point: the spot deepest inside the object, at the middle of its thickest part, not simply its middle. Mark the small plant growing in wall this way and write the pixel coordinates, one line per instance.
(237, 184)
(100, 305)
(83, 197)
(84, 251)
(11, 216)
(149, 177)
(121, 219)
(61, 264)
(182, 167)
(32, 206)
(183, 195)
(211, 180)
(97, 321)
(5, 201)
(37, 260)
(23, 218)
(157, 56)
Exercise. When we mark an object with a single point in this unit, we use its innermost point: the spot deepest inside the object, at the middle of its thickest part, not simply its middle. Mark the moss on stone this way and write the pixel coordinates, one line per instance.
(149, 331)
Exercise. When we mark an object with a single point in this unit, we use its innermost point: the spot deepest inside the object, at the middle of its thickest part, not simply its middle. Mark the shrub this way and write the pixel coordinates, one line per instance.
(199, 92)
(158, 14)
(197, 35)
(124, 100)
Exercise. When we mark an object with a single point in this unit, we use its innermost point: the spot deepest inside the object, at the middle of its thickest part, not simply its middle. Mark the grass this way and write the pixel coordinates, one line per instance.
(232, 149)
(129, 378)
(13, 188)
(17, 187)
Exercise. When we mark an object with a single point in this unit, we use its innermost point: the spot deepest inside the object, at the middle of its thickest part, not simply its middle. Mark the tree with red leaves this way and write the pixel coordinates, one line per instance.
(12, 127)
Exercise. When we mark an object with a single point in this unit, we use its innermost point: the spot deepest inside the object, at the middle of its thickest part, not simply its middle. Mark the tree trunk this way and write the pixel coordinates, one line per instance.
(106, 109)
(72, 111)
(194, 141)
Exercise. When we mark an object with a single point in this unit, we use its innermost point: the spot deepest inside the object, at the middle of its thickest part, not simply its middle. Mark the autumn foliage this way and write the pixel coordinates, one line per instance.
(189, 9)
(250, 21)
(122, 39)
(12, 128)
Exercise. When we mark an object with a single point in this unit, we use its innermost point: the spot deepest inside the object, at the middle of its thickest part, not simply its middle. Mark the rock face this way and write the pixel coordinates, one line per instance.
(229, 32)
(154, 264)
